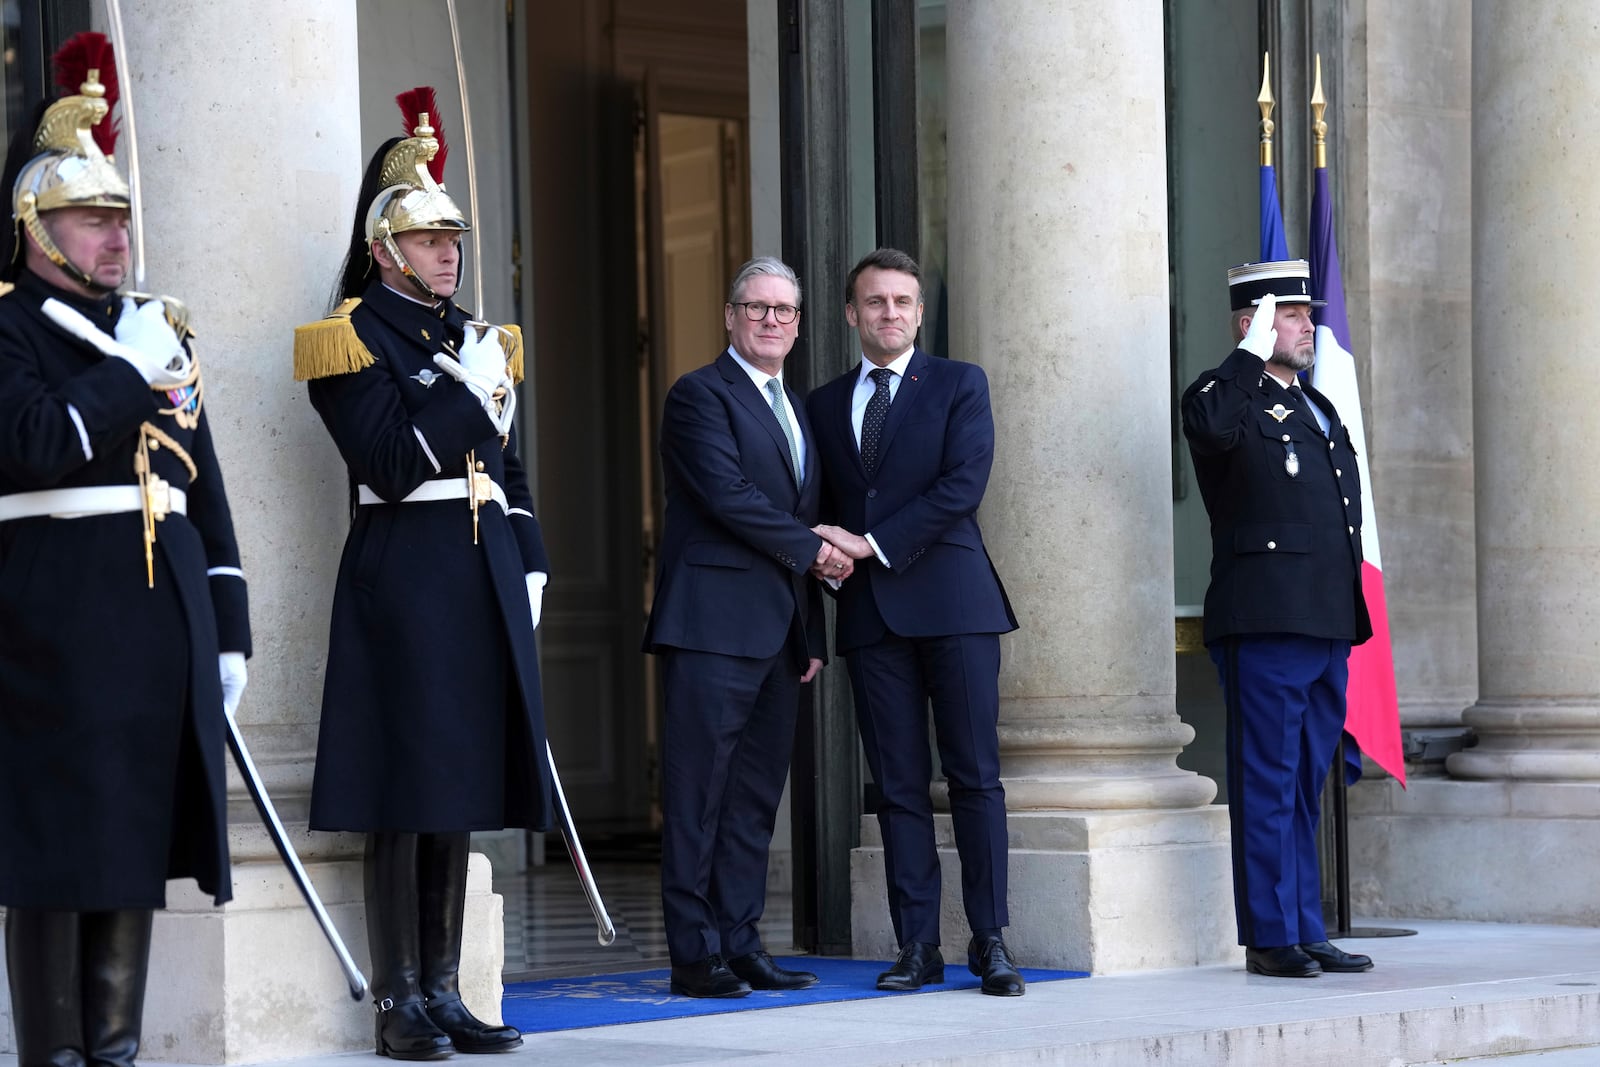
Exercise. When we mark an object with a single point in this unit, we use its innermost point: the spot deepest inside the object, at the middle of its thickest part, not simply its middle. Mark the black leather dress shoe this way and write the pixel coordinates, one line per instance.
(763, 972)
(919, 964)
(1285, 962)
(990, 960)
(1331, 957)
(709, 977)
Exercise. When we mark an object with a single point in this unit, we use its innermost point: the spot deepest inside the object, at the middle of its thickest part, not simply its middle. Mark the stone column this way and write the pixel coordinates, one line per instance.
(1529, 785)
(1538, 511)
(1058, 288)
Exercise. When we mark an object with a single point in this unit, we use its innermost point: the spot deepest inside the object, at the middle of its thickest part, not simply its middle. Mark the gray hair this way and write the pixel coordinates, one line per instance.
(763, 265)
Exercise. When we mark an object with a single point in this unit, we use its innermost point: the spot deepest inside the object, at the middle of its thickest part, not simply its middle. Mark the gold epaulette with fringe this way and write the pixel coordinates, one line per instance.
(511, 341)
(330, 346)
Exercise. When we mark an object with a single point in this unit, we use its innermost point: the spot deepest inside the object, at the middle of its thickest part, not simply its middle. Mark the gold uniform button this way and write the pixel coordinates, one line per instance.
(1272, 544)
(1338, 472)
(1352, 529)
(1330, 446)
(1346, 501)
(480, 467)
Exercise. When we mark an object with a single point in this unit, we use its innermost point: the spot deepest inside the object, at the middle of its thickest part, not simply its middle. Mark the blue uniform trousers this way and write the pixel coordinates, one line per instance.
(1286, 703)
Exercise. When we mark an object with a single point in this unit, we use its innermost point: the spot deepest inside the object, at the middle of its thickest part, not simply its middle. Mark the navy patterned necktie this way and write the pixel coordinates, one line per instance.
(876, 415)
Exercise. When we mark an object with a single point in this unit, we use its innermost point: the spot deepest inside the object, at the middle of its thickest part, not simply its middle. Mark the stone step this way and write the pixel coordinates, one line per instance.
(1455, 992)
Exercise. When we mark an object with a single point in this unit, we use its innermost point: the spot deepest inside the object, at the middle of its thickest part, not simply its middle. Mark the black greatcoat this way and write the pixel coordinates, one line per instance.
(111, 728)
(432, 719)
(1285, 549)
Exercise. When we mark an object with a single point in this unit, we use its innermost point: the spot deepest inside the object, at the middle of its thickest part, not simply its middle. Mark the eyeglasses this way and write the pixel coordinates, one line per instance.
(756, 310)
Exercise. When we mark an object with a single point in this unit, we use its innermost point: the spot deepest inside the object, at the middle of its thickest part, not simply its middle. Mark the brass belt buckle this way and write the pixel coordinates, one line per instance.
(482, 488)
(158, 496)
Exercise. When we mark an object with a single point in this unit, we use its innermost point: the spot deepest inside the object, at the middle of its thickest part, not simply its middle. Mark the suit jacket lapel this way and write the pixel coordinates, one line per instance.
(842, 415)
(807, 438)
(904, 397)
(747, 394)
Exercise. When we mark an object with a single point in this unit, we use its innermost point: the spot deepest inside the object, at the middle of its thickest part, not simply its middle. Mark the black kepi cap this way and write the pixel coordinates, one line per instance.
(1288, 279)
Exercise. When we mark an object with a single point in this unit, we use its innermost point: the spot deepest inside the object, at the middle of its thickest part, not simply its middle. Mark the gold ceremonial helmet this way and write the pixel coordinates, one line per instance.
(70, 169)
(411, 196)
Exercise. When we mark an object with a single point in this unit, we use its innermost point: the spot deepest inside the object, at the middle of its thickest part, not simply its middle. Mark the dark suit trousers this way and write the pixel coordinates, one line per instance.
(895, 680)
(1285, 697)
(728, 736)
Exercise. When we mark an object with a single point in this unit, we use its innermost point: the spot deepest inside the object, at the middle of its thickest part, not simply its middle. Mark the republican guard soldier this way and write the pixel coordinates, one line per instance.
(123, 619)
(432, 723)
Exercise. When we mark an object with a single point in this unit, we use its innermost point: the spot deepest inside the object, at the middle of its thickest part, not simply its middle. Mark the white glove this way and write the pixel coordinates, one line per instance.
(482, 387)
(231, 666)
(481, 366)
(482, 354)
(536, 584)
(163, 374)
(1262, 336)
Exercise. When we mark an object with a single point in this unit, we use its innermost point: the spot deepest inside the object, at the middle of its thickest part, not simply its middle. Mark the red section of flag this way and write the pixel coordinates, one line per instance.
(1371, 705)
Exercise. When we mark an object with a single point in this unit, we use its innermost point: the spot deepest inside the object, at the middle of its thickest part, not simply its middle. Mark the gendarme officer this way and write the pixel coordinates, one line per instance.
(1278, 473)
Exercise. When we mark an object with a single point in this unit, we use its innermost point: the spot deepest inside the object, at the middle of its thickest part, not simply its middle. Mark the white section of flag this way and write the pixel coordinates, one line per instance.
(1334, 376)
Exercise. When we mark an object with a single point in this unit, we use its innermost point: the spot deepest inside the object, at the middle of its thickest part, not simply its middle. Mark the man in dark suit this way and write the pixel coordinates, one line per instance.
(906, 444)
(1278, 473)
(738, 624)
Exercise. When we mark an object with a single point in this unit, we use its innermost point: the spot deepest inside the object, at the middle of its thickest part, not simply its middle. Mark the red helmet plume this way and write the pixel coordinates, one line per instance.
(413, 104)
(82, 53)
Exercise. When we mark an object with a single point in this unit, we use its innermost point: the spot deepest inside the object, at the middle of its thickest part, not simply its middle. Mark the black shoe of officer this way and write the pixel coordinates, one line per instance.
(919, 964)
(1333, 958)
(1285, 962)
(763, 972)
(708, 978)
(989, 959)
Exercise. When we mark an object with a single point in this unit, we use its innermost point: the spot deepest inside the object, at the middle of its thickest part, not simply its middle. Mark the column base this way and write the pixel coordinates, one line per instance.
(1505, 851)
(1090, 891)
(256, 981)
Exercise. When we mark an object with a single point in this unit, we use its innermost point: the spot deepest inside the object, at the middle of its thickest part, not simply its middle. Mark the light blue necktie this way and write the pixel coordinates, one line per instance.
(775, 390)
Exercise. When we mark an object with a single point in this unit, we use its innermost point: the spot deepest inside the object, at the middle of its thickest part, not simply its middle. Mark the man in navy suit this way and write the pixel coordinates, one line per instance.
(906, 444)
(737, 622)
(1278, 473)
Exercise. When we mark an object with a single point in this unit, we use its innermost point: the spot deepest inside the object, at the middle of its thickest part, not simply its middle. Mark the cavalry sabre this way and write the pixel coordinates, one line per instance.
(605, 932)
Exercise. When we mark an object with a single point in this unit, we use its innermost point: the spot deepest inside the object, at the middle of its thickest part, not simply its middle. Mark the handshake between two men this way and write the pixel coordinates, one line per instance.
(840, 550)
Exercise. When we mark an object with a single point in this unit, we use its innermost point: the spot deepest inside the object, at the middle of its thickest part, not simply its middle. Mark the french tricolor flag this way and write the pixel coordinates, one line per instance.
(1372, 712)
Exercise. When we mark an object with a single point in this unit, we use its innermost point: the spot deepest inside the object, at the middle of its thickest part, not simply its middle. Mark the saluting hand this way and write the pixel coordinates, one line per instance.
(1262, 336)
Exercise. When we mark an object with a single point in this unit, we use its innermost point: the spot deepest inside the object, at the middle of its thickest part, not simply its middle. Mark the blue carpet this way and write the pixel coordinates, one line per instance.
(643, 996)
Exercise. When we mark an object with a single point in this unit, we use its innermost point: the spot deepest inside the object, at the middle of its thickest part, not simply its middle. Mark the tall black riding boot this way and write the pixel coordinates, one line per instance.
(402, 1029)
(116, 958)
(442, 863)
(46, 984)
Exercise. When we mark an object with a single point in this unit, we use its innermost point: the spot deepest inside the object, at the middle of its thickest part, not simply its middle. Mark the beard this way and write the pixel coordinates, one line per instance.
(1296, 359)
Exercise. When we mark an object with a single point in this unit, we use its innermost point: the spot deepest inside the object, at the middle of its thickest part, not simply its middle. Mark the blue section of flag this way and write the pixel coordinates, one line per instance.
(1274, 246)
(1326, 282)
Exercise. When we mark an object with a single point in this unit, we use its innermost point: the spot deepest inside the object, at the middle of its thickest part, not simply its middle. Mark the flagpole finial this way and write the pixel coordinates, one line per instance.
(1319, 128)
(1265, 102)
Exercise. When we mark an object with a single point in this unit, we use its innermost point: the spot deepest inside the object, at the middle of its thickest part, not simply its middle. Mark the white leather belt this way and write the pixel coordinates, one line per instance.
(442, 489)
(85, 501)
